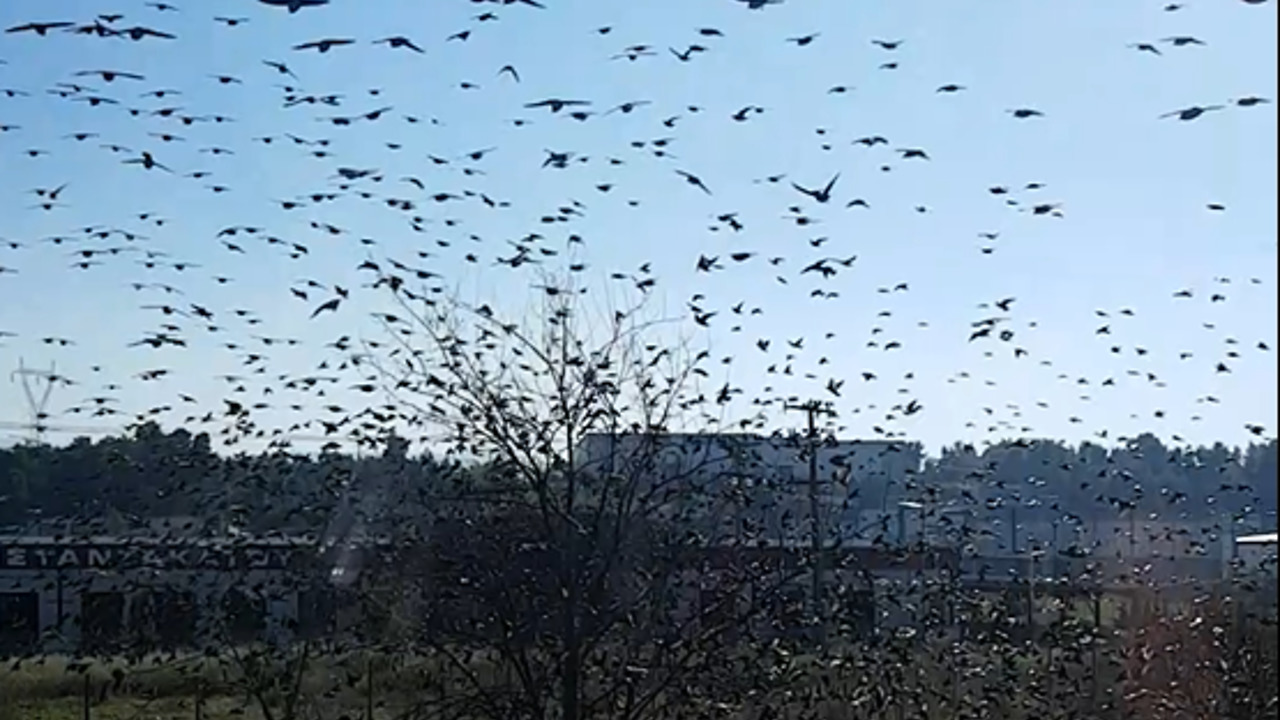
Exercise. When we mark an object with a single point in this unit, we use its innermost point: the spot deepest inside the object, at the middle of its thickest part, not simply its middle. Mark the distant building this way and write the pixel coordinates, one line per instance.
(767, 476)
(99, 593)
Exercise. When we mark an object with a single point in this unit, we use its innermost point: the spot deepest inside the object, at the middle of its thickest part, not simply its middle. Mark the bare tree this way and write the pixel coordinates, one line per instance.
(590, 564)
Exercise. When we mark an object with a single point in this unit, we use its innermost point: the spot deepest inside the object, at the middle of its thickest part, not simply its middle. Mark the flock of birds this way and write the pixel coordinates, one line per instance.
(167, 131)
(286, 386)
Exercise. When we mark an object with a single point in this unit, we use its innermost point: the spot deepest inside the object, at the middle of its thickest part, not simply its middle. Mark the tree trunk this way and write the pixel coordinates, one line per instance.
(570, 682)
(571, 669)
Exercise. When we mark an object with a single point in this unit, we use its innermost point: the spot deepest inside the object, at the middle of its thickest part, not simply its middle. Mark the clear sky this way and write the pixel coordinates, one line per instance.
(1133, 190)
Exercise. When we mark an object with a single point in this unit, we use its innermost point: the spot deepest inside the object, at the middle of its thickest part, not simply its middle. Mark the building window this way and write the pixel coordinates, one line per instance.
(317, 611)
(163, 619)
(102, 621)
(244, 616)
(19, 622)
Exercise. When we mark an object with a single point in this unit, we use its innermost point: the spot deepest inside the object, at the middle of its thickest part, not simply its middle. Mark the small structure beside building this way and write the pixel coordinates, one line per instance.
(1255, 555)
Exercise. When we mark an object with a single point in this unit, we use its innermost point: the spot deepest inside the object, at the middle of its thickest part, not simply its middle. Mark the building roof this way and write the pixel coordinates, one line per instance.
(747, 436)
(152, 541)
(1259, 539)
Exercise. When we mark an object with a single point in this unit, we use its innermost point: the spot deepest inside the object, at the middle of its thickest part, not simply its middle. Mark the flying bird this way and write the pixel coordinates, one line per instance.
(693, 180)
(822, 195)
(39, 28)
(555, 105)
(324, 45)
(279, 67)
(399, 41)
(1191, 113)
(294, 5)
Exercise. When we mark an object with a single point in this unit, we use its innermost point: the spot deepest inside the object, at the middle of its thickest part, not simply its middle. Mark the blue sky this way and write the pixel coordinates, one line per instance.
(1133, 190)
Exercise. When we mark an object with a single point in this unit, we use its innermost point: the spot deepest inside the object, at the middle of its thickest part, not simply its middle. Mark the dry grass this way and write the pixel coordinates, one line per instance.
(161, 688)
(222, 708)
(156, 690)
(930, 686)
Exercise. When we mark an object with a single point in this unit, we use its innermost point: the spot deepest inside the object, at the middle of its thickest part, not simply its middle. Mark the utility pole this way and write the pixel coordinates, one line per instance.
(1013, 526)
(812, 409)
(37, 385)
(1133, 532)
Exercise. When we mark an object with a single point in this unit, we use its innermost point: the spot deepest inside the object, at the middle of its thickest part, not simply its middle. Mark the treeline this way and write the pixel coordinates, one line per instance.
(1090, 479)
(124, 482)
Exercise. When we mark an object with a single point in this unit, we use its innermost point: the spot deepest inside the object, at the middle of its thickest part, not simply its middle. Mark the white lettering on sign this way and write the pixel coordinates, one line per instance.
(46, 556)
(15, 557)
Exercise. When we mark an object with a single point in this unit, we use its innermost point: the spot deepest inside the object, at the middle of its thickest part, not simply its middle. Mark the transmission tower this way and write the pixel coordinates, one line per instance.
(37, 385)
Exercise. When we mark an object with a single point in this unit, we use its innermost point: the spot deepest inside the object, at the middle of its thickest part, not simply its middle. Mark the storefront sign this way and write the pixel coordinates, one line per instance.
(83, 556)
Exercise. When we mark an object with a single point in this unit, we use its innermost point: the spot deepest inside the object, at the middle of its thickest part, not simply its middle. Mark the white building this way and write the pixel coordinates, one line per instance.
(758, 486)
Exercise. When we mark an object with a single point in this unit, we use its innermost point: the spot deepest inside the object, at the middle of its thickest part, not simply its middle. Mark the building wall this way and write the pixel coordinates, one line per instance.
(108, 593)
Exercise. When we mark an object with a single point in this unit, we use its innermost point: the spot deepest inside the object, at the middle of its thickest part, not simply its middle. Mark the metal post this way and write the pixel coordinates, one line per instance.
(60, 596)
(368, 699)
(816, 522)
(1053, 548)
(1094, 646)
(1013, 528)
(1031, 595)
(200, 695)
(1133, 531)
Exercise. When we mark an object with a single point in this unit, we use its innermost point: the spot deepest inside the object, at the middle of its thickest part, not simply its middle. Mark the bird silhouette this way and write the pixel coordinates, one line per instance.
(294, 6)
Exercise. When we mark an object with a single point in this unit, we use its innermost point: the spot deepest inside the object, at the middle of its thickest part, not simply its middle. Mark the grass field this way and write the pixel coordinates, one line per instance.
(155, 690)
(171, 688)
(930, 683)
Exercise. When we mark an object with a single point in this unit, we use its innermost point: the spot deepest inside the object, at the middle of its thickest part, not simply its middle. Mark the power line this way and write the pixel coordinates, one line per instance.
(25, 428)
(28, 427)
